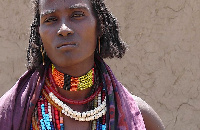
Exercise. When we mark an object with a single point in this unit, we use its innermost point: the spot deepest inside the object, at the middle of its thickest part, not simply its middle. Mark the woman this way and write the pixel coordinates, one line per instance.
(68, 85)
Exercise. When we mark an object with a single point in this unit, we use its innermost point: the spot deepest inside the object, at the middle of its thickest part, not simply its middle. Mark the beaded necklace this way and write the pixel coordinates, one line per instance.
(51, 108)
(71, 83)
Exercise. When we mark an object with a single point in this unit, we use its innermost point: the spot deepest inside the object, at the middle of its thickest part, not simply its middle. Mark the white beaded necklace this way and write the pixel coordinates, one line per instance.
(81, 116)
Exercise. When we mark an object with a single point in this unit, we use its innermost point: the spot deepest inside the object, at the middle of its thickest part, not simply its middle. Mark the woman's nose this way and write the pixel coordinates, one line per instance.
(65, 30)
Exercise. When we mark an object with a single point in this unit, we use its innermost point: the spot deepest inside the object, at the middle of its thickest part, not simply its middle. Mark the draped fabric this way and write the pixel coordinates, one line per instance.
(122, 111)
(17, 105)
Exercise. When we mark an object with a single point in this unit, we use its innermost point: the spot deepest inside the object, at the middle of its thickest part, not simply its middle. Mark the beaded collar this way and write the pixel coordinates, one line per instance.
(71, 83)
(51, 106)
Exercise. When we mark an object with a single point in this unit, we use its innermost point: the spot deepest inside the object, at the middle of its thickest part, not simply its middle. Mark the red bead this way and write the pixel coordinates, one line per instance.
(56, 112)
(52, 87)
(57, 122)
(104, 120)
(58, 78)
(70, 101)
(58, 126)
(56, 117)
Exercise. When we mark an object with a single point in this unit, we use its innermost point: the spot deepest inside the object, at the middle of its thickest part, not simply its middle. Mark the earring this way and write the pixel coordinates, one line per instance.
(99, 45)
(43, 54)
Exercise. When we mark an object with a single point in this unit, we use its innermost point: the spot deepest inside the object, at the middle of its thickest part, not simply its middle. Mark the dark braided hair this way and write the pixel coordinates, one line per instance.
(111, 44)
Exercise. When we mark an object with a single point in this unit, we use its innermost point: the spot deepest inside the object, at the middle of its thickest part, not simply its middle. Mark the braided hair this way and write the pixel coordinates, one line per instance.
(111, 44)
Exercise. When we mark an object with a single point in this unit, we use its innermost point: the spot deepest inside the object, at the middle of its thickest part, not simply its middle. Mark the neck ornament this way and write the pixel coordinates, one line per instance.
(49, 89)
(71, 83)
(51, 106)
(91, 115)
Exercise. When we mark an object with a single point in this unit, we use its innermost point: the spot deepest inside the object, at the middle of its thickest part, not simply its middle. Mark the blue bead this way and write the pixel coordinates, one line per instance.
(45, 116)
(52, 127)
(43, 127)
(103, 127)
(49, 127)
(62, 127)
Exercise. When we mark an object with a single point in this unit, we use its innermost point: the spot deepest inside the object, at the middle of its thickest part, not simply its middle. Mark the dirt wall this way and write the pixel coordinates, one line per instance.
(162, 65)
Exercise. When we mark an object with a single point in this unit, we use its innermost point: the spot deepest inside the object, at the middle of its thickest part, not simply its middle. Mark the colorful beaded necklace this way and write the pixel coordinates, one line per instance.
(51, 108)
(71, 83)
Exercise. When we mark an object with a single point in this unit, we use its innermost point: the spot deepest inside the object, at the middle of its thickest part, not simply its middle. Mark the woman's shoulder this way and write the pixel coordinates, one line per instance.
(151, 119)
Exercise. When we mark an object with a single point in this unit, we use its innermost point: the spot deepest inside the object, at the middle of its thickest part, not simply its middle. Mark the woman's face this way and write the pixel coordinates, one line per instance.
(68, 29)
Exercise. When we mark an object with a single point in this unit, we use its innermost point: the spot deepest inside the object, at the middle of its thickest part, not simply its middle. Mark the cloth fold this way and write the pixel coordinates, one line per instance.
(122, 111)
(17, 105)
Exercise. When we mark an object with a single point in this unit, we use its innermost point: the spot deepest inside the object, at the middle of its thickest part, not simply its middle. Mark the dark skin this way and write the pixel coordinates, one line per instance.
(69, 32)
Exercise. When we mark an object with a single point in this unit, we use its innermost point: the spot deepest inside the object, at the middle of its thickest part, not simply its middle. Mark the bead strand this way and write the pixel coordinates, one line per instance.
(57, 118)
(103, 124)
(50, 101)
(45, 117)
(94, 123)
(85, 116)
(50, 89)
(53, 116)
(49, 111)
(45, 108)
(61, 122)
(50, 115)
(39, 110)
(34, 124)
(42, 124)
(99, 102)
(51, 108)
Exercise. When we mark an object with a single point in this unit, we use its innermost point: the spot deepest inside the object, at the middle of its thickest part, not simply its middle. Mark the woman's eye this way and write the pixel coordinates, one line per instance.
(50, 19)
(78, 14)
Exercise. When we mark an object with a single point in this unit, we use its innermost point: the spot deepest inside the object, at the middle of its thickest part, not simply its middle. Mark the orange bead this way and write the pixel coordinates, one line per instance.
(61, 120)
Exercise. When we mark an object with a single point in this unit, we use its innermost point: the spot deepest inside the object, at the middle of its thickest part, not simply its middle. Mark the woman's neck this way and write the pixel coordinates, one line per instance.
(76, 70)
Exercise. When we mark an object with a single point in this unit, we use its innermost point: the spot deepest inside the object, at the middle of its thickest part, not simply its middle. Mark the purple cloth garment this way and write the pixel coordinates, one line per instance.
(17, 105)
(123, 111)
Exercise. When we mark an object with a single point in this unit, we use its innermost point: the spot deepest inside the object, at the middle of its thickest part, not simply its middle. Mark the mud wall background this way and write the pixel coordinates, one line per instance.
(162, 65)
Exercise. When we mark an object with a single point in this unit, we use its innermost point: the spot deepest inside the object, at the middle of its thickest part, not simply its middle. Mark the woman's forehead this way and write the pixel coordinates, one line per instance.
(57, 4)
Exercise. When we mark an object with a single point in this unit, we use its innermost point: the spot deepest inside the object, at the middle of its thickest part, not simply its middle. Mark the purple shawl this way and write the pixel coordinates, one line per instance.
(17, 105)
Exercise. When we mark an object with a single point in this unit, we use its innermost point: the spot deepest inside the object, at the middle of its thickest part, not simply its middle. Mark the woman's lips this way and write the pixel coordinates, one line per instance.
(67, 45)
